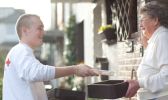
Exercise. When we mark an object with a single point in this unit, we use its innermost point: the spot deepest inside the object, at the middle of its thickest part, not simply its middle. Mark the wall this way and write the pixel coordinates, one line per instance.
(122, 60)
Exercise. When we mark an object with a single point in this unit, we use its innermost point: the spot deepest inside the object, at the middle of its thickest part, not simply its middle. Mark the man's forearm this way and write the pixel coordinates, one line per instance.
(64, 71)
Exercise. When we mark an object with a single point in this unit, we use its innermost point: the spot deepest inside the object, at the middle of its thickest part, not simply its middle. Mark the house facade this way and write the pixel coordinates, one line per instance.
(121, 57)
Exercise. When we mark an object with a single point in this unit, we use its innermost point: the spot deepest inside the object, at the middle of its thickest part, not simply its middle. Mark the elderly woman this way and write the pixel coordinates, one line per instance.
(152, 73)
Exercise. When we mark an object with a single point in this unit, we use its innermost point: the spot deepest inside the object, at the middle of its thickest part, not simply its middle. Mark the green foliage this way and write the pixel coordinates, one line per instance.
(2, 61)
(0, 89)
(70, 32)
(70, 48)
(73, 82)
(69, 80)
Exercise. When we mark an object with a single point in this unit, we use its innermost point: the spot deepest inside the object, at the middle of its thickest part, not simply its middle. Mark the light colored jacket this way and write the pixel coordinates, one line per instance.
(153, 70)
(24, 75)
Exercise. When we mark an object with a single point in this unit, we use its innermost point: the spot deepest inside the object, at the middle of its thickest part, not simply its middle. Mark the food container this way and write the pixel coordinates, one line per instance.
(111, 89)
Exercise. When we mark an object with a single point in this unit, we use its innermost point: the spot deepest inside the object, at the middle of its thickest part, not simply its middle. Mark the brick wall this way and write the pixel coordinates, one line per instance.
(128, 60)
(124, 60)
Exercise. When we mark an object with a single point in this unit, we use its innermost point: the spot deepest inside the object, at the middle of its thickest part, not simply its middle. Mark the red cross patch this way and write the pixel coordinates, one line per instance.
(7, 62)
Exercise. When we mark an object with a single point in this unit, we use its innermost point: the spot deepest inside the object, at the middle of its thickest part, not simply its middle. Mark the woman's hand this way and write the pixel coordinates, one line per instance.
(132, 88)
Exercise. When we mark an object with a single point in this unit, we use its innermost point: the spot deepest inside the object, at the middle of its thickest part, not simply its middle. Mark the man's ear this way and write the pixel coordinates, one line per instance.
(24, 31)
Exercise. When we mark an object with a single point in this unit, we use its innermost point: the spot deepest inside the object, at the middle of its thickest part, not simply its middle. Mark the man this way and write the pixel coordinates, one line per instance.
(23, 73)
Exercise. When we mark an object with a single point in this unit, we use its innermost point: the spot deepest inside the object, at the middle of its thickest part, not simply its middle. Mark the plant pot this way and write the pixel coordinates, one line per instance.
(108, 34)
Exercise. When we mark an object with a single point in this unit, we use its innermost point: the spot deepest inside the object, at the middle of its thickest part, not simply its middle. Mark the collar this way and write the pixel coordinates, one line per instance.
(26, 46)
(155, 34)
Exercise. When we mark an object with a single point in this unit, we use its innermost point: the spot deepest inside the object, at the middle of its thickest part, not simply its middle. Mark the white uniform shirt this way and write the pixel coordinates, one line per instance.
(24, 75)
(153, 70)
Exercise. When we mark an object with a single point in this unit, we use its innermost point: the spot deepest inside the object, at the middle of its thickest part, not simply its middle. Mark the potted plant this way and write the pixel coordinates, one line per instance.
(108, 34)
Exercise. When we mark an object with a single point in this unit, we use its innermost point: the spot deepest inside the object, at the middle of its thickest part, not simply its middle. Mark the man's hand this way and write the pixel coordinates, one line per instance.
(85, 70)
(132, 88)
